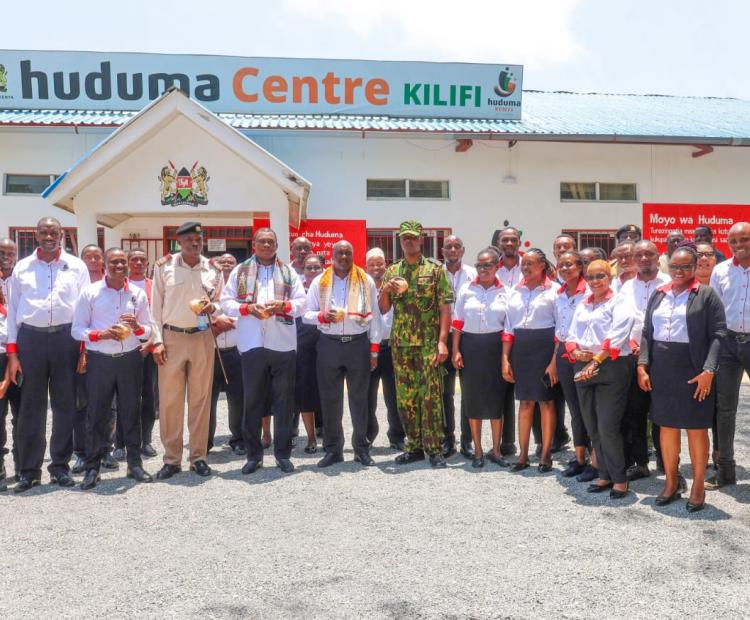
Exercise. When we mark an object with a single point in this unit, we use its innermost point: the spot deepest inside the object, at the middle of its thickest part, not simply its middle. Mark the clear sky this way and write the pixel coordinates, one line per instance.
(681, 47)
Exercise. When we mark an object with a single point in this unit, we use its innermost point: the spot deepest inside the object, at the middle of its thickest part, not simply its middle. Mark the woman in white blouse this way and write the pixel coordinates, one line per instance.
(478, 322)
(598, 340)
(529, 354)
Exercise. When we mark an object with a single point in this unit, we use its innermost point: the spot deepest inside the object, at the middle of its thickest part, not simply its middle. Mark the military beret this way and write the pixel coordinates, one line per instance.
(626, 229)
(410, 228)
(189, 227)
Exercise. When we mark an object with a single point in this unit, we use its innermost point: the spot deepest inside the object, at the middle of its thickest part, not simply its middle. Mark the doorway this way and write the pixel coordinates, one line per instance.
(218, 240)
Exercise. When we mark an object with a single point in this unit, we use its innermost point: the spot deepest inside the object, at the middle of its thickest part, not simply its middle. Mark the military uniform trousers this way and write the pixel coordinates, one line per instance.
(419, 397)
(48, 360)
(11, 400)
(108, 376)
(343, 358)
(268, 385)
(235, 396)
(384, 373)
(147, 414)
(189, 368)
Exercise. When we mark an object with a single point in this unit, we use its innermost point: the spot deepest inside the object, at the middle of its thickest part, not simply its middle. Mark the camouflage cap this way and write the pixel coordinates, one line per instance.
(410, 228)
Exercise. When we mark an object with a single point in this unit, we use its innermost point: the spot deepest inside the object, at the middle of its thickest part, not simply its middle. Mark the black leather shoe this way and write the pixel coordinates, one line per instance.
(147, 450)
(311, 447)
(544, 468)
(108, 462)
(330, 459)
(497, 460)
(598, 488)
(285, 465)
(119, 454)
(63, 479)
(437, 461)
(239, 451)
(449, 448)
(573, 469)
(78, 466)
(251, 466)
(25, 483)
(589, 474)
(398, 445)
(691, 507)
(518, 466)
(90, 479)
(664, 500)
(615, 494)
(167, 471)
(410, 457)
(201, 468)
(637, 472)
(467, 450)
(138, 474)
(478, 462)
(364, 458)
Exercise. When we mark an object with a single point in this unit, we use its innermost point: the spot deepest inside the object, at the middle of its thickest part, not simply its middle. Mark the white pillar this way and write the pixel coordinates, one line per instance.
(86, 224)
(280, 224)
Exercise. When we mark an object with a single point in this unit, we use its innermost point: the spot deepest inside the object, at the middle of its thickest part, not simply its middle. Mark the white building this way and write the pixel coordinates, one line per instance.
(585, 163)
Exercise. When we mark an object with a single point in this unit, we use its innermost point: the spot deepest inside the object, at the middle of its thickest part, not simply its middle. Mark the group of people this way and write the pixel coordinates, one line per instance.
(615, 342)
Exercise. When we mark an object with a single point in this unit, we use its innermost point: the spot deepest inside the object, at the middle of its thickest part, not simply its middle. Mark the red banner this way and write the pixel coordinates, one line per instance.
(661, 219)
(323, 234)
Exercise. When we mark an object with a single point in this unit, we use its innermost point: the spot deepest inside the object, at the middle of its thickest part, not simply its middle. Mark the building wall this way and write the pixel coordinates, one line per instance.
(339, 165)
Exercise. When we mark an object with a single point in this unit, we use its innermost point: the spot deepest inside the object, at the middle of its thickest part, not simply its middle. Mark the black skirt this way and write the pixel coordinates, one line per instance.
(306, 395)
(531, 354)
(672, 402)
(482, 384)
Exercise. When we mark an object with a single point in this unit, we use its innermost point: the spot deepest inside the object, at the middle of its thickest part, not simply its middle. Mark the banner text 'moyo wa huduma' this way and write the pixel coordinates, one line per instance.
(129, 81)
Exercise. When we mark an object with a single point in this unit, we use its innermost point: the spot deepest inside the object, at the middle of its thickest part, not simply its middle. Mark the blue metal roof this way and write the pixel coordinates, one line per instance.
(556, 114)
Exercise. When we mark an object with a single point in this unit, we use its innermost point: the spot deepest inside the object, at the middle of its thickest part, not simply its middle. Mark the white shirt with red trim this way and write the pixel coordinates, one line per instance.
(44, 294)
(465, 273)
(268, 333)
(510, 277)
(670, 316)
(480, 310)
(565, 306)
(99, 307)
(618, 283)
(603, 325)
(531, 309)
(637, 293)
(339, 294)
(732, 283)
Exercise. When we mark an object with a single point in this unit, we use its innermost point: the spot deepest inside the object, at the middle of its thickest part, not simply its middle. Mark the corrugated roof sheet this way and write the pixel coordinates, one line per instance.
(544, 114)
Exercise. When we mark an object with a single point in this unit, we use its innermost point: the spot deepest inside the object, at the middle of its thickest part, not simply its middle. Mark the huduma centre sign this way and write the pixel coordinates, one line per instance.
(129, 81)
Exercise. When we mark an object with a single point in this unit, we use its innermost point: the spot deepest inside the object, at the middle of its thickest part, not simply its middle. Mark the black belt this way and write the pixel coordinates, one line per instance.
(182, 330)
(742, 338)
(227, 348)
(346, 338)
(103, 354)
(385, 343)
(52, 329)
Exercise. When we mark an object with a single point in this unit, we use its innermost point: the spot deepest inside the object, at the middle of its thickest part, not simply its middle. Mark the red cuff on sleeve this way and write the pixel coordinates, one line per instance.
(457, 324)
(244, 310)
(508, 337)
(614, 352)
(140, 332)
(151, 349)
(570, 347)
(12, 347)
(322, 318)
(94, 335)
(374, 347)
(287, 307)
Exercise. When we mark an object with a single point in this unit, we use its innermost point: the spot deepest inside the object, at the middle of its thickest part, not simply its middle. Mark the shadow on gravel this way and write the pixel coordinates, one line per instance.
(264, 475)
(677, 510)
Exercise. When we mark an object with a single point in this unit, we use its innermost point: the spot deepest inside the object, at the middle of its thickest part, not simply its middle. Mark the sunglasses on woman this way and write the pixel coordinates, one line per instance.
(595, 276)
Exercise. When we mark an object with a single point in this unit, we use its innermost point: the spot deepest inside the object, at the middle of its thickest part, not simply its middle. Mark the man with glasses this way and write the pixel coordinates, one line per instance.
(704, 234)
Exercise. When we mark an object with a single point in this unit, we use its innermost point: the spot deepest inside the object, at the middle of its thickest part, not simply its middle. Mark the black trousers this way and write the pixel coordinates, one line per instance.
(635, 426)
(733, 361)
(108, 377)
(338, 361)
(509, 419)
(148, 405)
(449, 408)
(267, 373)
(384, 373)
(565, 373)
(603, 399)
(235, 396)
(49, 363)
(10, 401)
(79, 427)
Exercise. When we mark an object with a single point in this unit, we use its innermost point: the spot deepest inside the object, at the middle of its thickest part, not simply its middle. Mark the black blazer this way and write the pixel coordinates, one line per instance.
(706, 327)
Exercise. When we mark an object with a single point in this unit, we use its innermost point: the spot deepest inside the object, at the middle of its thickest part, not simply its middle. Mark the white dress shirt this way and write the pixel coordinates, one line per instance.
(480, 310)
(732, 283)
(637, 293)
(340, 295)
(465, 273)
(603, 325)
(267, 333)
(228, 339)
(670, 317)
(99, 307)
(4, 283)
(618, 283)
(565, 306)
(510, 277)
(531, 309)
(44, 294)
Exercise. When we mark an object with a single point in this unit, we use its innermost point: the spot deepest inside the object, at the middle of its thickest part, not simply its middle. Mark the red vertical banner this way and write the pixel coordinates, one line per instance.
(323, 234)
(660, 219)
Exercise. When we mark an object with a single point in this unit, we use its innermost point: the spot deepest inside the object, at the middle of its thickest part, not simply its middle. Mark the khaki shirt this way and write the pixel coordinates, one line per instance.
(175, 285)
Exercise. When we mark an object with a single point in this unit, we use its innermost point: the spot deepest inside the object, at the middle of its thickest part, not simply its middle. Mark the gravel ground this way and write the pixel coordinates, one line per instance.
(385, 542)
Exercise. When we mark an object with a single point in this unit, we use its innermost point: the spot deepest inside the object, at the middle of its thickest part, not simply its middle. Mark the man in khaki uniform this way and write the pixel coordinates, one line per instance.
(184, 348)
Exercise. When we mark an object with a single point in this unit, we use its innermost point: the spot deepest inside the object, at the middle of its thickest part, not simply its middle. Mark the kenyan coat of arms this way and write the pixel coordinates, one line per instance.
(183, 186)
(3, 79)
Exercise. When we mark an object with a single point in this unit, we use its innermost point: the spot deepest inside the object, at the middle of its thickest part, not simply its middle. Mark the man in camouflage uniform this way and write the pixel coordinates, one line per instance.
(421, 320)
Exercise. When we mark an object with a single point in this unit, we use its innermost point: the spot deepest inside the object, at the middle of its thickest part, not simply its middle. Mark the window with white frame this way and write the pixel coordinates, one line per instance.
(26, 184)
(400, 189)
(576, 191)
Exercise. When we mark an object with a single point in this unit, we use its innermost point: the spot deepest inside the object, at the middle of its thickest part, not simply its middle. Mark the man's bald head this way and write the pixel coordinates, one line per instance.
(342, 244)
(7, 242)
(646, 256)
(740, 227)
(739, 242)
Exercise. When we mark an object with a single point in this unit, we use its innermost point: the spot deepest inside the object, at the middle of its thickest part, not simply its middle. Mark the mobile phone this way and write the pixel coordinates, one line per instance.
(19, 378)
(546, 381)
